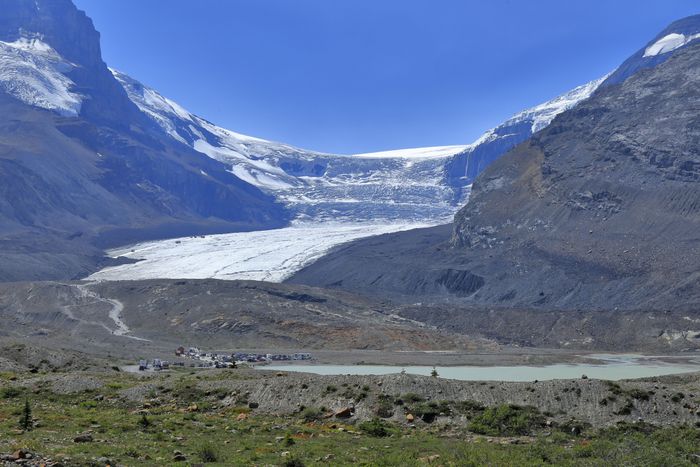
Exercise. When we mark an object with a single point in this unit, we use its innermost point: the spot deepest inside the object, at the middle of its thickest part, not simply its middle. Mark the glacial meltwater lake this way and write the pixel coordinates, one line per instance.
(610, 367)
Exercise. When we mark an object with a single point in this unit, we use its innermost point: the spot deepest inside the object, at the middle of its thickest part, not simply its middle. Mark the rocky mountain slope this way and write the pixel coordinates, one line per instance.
(126, 319)
(600, 210)
(82, 166)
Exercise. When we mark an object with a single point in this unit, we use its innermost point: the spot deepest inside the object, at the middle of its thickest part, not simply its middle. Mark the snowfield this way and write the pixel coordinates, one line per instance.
(32, 72)
(269, 255)
(415, 153)
(669, 43)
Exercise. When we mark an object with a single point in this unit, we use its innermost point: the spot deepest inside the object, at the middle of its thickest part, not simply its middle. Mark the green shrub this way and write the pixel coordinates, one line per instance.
(88, 404)
(626, 409)
(507, 420)
(208, 453)
(385, 409)
(10, 393)
(677, 397)
(428, 411)
(469, 408)
(189, 393)
(311, 414)
(144, 422)
(411, 397)
(376, 427)
(288, 440)
(614, 387)
(639, 394)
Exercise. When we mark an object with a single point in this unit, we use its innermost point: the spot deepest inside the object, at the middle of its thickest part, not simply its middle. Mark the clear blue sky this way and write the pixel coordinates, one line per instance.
(350, 76)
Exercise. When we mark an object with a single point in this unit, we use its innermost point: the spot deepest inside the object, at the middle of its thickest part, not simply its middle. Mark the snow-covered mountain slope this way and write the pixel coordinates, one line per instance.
(402, 185)
(542, 115)
(464, 167)
(414, 185)
(34, 73)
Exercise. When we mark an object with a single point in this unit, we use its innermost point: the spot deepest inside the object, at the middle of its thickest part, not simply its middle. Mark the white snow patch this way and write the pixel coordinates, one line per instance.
(669, 43)
(33, 72)
(269, 255)
(415, 153)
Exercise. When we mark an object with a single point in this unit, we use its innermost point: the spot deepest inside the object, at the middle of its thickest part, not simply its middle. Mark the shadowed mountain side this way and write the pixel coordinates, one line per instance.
(82, 167)
(601, 210)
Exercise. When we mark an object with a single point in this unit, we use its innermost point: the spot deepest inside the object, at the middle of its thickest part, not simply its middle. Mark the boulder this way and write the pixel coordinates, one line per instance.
(346, 412)
(84, 438)
(19, 454)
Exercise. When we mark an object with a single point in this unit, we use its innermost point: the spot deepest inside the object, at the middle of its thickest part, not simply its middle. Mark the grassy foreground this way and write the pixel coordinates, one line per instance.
(186, 428)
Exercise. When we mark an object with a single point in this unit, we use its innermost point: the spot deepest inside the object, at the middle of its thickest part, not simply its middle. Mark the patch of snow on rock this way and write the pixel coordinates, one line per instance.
(669, 43)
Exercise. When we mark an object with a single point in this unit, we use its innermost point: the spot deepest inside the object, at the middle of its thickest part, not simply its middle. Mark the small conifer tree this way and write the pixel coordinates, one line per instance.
(25, 421)
(144, 422)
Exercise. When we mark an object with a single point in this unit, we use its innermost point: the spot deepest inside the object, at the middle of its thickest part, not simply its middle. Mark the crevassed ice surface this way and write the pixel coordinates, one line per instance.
(34, 73)
(269, 255)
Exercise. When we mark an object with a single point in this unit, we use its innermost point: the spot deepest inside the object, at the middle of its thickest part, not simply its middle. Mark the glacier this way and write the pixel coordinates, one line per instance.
(390, 186)
(334, 198)
(268, 255)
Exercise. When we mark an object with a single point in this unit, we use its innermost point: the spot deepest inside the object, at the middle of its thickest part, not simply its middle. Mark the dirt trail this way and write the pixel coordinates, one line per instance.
(115, 313)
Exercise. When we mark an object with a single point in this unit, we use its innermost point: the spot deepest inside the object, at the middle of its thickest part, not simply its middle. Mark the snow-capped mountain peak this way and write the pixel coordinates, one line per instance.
(34, 73)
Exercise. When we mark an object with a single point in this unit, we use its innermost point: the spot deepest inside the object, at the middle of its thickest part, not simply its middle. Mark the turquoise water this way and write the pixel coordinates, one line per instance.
(611, 367)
